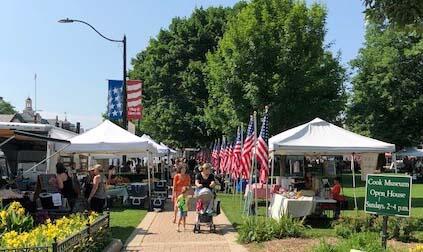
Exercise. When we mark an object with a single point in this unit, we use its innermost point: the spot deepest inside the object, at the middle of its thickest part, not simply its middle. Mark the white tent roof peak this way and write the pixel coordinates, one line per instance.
(108, 138)
(319, 136)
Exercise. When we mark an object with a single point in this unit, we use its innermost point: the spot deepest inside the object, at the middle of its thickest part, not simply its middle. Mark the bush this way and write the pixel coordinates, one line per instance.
(363, 241)
(256, 229)
(259, 229)
(401, 229)
(288, 227)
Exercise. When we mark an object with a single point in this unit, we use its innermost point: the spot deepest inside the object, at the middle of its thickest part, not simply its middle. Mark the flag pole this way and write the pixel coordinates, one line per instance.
(240, 173)
(250, 183)
(255, 161)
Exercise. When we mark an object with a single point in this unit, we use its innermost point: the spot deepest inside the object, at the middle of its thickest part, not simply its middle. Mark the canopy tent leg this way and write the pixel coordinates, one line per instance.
(272, 173)
(353, 180)
(148, 174)
(394, 161)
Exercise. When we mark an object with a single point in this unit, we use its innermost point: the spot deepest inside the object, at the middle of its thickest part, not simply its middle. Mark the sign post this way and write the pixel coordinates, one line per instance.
(388, 196)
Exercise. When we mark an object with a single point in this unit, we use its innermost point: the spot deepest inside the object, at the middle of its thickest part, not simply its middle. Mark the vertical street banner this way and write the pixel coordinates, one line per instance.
(115, 100)
(388, 195)
(134, 99)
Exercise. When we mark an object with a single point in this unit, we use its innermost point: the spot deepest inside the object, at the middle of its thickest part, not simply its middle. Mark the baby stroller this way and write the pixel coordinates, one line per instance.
(207, 206)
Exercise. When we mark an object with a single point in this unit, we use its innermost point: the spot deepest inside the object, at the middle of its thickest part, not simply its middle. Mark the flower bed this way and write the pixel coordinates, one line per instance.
(77, 232)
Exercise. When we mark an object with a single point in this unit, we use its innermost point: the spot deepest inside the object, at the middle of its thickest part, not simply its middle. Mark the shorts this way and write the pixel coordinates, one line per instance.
(182, 213)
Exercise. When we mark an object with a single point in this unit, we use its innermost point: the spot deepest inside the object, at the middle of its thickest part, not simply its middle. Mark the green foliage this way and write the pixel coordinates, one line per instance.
(273, 53)
(256, 229)
(402, 229)
(6, 108)
(365, 241)
(14, 218)
(396, 12)
(259, 229)
(172, 68)
(387, 99)
(288, 227)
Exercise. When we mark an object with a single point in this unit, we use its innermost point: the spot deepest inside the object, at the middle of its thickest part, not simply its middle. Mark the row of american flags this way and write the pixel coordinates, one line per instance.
(236, 158)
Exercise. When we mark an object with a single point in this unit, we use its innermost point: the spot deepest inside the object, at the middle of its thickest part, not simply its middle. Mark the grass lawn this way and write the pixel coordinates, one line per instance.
(124, 221)
(232, 206)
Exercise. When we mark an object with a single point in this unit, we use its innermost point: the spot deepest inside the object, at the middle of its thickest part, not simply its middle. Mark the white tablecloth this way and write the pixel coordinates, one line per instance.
(301, 207)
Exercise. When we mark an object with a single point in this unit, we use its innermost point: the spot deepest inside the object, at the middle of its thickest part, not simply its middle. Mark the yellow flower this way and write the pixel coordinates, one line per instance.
(3, 215)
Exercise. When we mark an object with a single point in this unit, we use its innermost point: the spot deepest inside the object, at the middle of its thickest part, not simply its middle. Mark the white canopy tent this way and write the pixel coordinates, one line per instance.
(319, 137)
(108, 138)
(411, 152)
(160, 150)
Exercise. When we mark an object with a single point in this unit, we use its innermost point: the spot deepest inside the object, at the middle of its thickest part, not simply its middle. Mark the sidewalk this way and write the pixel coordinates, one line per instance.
(157, 233)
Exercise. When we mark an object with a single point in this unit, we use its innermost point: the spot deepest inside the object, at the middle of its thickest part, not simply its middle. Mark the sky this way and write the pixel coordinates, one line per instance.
(73, 63)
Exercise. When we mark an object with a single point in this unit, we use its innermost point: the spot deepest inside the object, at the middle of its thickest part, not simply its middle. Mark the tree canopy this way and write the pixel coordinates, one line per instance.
(172, 68)
(387, 99)
(273, 53)
(6, 108)
(395, 12)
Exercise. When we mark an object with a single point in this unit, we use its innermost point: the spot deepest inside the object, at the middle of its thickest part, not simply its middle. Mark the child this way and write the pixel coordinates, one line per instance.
(182, 203)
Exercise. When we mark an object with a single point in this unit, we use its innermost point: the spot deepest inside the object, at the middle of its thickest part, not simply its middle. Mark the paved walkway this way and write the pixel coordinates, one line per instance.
(157, 233)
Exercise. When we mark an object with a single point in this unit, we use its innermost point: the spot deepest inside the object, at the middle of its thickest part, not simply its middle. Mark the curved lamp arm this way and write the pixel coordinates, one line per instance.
(67, 20)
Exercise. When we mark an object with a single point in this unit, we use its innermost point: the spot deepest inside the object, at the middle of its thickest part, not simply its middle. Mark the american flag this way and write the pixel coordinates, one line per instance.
(229, 156)
(262, 148)
(222, 156)
(134, 99)
(115, 100)
(214, 154)
(236, 168)
(246, 154)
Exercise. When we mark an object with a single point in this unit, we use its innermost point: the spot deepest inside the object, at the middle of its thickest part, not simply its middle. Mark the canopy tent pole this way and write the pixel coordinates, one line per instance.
(353, 180)
(148, 173)
(272, 173)
(394, 161)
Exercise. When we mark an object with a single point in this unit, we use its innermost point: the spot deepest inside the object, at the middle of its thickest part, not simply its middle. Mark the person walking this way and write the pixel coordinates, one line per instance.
(180, 180)
(97, 197)
(182, 205)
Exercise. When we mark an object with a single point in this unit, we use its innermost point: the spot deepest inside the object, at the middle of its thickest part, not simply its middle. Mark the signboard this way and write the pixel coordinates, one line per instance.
(388, 195)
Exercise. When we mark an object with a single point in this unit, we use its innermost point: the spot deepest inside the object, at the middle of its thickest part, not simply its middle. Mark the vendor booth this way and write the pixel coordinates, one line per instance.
(308, 154)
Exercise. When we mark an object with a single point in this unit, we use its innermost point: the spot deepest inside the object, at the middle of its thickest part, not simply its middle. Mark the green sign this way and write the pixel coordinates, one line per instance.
(388, 195)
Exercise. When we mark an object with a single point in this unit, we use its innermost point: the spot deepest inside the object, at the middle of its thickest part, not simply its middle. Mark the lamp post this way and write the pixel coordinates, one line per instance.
(123, 41)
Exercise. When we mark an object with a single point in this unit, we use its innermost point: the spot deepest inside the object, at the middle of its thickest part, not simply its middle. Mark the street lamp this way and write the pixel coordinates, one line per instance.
(125, 118)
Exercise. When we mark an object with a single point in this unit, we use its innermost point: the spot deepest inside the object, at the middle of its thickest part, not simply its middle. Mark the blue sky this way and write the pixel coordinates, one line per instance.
(73, 63)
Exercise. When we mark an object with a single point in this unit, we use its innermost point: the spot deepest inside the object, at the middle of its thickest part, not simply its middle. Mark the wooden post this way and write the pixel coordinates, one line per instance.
(54, 245)
(384, 233)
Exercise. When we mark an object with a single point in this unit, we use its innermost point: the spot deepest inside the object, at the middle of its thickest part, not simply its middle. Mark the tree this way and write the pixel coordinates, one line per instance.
(172, 68)
(395, 12)
(273, 53)
(6, 108)
(387, 100)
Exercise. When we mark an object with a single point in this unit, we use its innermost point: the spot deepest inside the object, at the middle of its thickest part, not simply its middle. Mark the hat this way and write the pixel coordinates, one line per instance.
(97, 166)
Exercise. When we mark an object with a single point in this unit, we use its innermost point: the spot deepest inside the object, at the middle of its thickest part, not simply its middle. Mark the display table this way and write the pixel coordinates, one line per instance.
(118, 191)
(300, 207)
(258, 190)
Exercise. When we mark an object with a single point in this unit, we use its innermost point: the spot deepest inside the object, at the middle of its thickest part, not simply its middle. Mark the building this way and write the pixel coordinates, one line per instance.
(29, 115)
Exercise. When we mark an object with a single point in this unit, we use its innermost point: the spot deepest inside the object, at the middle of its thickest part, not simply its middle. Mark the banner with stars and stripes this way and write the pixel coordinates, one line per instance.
(115, 100)
(134, 96)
